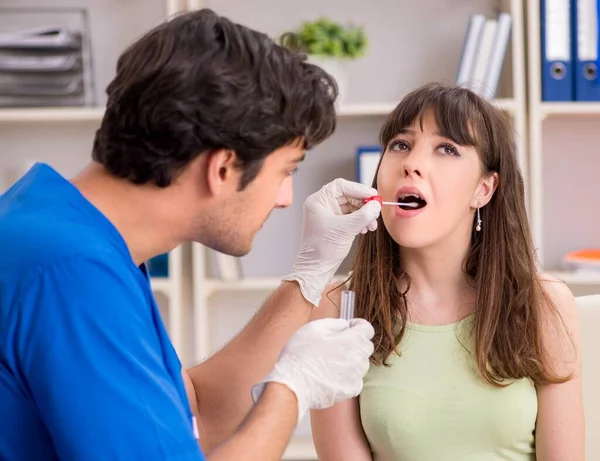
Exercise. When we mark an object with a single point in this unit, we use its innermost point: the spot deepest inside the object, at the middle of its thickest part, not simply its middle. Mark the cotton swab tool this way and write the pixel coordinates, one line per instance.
(380, 200)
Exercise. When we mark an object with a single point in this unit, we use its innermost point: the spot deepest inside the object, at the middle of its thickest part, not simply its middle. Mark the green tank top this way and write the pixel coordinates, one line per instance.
(431, 404)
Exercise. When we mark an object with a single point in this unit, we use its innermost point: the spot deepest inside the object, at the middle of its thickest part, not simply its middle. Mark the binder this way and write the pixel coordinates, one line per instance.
(497, 55)
(483, 53)
(585, 22)
(468, 59)
(557, 57)
(484, 56)
(367, 161)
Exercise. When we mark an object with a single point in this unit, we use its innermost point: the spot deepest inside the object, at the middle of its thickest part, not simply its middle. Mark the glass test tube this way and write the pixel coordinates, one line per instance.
(347, 309)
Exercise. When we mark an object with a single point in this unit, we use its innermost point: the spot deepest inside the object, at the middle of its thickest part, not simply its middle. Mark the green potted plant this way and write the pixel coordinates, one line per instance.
(329, 45)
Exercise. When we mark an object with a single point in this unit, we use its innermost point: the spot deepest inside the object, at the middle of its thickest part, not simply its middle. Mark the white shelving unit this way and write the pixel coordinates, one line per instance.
(95, 114)
(171, 288)
(204, 289)
(540, 112)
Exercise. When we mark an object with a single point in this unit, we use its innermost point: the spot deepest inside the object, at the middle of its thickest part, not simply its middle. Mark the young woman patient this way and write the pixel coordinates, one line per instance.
(477, 354)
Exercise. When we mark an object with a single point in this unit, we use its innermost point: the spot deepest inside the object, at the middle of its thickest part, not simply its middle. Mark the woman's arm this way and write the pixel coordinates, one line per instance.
(337, 431)
(560, 431)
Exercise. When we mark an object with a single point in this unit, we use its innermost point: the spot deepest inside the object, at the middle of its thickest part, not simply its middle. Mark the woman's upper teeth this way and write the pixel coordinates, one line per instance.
(405, 196)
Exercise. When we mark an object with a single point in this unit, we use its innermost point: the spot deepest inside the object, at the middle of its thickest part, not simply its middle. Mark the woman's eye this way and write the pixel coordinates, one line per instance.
(447, 149)
(398, 146)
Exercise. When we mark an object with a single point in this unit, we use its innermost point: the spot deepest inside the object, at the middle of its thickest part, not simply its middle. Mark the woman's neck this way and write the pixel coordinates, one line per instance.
(439, 290)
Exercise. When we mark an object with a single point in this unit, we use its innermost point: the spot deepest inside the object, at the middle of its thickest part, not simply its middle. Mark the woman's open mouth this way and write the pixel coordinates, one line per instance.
(411, 201)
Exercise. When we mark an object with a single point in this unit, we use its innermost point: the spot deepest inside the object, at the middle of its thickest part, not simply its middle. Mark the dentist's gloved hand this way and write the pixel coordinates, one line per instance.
(332, 218)
(323, 363)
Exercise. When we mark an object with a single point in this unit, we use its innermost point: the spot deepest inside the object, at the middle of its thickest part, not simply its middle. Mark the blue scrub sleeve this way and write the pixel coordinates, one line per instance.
(93, 362)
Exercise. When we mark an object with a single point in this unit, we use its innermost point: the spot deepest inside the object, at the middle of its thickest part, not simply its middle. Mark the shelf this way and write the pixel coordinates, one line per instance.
(162, 285)
(576, 278)
(572, 108)
(52, 114)
(365, 109)
(508, 105)
(355, 110)
(300, 449)
(259, 284)
(249, 284)
(94, 114)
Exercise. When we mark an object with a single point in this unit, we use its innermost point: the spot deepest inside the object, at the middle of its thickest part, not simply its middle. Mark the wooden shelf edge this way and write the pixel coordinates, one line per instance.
(385, 108)
(51, 114)
(95, 114)
(162, 285)
(260, 284)
(248, 284)
(272, 283)
(570, 108)
(362, 109)
(576, 278)
(300, 449)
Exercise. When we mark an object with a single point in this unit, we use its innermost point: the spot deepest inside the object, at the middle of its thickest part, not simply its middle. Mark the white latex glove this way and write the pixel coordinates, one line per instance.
(323, 363)
(332, 218)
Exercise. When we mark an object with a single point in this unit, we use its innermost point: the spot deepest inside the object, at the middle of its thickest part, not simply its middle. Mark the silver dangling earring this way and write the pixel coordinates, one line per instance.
(478, 226)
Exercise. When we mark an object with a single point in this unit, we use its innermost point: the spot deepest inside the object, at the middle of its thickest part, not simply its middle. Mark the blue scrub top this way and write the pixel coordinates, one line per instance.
(87, 370)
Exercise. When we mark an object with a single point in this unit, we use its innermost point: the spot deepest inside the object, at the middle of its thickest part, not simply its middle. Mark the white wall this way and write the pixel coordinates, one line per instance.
(411, 42)
(571, 185)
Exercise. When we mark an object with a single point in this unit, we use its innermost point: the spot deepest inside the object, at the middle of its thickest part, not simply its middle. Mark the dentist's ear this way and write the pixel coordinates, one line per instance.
(485, 190)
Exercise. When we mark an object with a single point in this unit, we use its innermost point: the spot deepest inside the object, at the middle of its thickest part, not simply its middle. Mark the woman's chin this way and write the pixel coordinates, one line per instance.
(411, 240)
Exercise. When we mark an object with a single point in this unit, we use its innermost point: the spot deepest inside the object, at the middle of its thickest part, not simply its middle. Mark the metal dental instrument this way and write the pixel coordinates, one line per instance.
(347, 309)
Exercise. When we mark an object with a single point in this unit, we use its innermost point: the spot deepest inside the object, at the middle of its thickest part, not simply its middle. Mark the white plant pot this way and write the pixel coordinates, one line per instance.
(337, 69)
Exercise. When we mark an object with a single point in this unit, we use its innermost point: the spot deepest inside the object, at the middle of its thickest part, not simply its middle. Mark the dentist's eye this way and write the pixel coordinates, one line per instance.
(448, 149)
(399, 146)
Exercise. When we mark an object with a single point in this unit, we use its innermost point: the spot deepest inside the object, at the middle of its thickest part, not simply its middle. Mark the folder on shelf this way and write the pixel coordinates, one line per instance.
(585, 22)
(483, 54)
(470, 49)
(158, 266)
(496, 57)
(367, 160)
(556, 53)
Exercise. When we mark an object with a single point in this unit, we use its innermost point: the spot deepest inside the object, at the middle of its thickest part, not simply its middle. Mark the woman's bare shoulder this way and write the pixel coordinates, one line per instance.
(559, 344)
(558, 292)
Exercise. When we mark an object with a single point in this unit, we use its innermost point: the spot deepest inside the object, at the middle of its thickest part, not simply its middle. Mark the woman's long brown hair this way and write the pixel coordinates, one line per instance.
(512, 306)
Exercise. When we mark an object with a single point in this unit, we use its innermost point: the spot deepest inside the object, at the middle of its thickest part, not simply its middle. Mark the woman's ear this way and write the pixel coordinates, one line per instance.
(485, 190)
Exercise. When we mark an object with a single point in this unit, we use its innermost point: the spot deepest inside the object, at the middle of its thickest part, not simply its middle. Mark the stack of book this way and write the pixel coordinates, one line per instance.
(584, 261)
(483, 53)
(43, 67)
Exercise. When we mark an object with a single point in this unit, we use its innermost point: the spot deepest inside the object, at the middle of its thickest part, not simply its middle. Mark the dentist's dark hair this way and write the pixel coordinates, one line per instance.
(513, 308)
(200, 83)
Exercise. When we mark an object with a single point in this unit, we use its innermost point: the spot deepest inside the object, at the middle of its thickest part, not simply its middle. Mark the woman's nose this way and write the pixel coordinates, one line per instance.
(413, 165)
